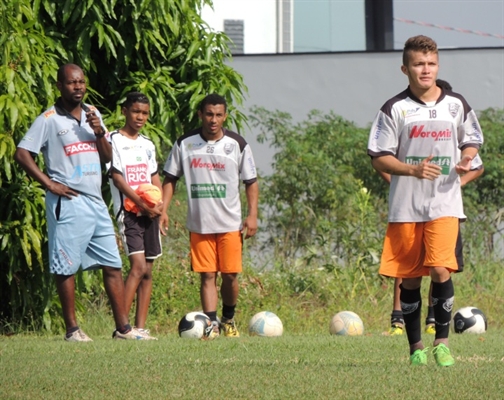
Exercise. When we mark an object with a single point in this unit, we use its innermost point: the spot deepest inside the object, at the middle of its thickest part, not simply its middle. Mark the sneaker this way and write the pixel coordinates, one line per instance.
(78, 336)
(396, 329)
(133, 334)
(146, 334)
(229, 328)
(215, 333)
(419, 357)
(443, 355)
(430, 329)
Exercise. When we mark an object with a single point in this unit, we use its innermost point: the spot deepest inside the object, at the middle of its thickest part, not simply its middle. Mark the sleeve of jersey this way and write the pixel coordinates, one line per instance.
(248, 172)
(383, 136)
(153, 167)
(469, 132)
(36, 137)
(116, 163)
(173, 165)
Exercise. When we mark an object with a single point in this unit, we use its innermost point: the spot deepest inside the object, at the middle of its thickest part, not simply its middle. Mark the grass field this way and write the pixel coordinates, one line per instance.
(315, 366)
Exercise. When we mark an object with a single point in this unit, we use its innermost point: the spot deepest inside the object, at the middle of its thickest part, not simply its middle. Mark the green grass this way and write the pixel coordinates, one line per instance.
(314, 366)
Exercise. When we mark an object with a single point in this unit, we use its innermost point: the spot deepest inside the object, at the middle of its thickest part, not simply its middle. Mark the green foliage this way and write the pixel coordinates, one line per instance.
(162, 48)
(316, 203)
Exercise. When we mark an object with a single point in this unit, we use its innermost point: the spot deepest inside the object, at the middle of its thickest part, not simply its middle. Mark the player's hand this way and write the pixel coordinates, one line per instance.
(427, 170)
(163, 224)
(95, 123)
(464, 165)
(249, 227)
(151, 212)
(62, 190)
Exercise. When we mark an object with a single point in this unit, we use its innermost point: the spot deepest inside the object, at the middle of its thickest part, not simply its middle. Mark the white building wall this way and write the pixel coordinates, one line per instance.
(259, 16)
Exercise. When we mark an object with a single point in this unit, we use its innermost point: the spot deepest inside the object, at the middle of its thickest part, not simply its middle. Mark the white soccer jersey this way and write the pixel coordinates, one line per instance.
(213, 171)
(411, 130)
(69, 147)
(135, 159)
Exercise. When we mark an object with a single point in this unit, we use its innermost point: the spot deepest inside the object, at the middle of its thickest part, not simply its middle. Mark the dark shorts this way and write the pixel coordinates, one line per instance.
(139, 234)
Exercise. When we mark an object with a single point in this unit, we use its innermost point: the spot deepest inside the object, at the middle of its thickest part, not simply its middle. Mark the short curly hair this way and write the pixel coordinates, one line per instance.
(418, 43)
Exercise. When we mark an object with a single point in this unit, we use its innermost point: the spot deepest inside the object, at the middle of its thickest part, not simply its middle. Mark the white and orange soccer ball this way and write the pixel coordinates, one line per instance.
(346, 323)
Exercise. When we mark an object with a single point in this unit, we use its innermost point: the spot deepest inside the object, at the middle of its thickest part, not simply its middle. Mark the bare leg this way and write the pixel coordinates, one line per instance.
(208, 291)
(144, 292)
(229, 289)
(136, 273)
(65, 285)
(114, 286)
(397, 294)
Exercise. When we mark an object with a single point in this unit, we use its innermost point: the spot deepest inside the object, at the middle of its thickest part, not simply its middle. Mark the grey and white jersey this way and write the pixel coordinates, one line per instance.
(410, 130)
(212, 171)
(69, 149)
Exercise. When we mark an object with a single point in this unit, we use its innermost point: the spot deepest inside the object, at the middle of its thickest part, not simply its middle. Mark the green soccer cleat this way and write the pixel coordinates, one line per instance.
(443, 356)
(419, 357)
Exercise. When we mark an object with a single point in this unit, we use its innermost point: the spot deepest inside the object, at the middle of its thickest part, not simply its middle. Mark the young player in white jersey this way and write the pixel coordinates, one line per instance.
(396, 318)
(425, 138)
(134, 163)
(73, 140)
(213, 161)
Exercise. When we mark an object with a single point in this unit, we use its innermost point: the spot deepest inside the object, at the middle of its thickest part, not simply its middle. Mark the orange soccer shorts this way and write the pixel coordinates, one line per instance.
(216, 252)
(410, 248)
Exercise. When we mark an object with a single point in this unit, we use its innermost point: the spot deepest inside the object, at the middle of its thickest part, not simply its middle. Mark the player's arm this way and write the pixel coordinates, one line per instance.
(466, 157)
(250, 223)
(391, 165)
(121, 184)
(386, 177)
(24, 158)
(471, 176)
(168, 189)
(103, 145)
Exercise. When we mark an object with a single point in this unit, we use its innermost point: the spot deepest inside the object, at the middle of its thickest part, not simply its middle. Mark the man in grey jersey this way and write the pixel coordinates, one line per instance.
(424, 138)
(214, 160)
(74, 143)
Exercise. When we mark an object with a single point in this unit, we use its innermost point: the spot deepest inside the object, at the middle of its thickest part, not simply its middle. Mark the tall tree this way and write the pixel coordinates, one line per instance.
(162, 48)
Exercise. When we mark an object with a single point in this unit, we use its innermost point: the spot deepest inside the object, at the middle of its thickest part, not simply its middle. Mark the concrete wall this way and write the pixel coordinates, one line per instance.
(355, 85)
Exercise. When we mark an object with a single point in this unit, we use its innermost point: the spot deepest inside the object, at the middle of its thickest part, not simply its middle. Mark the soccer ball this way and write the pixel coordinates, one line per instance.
(346, 323)
(195, 325)
(266, 324)
(469, 319)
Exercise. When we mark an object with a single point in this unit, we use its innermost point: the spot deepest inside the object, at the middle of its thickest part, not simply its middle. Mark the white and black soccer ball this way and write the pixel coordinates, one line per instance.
(469, 319)
(265, 323)
(195, 325)
(346, 323)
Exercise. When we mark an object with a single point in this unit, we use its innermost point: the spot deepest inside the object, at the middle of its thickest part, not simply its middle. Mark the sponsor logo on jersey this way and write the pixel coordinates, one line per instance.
(453, 108)
(80, 147)
(228, 148)
(379, 127)
(419, 132)
(251, 165)
(47, 114)
(476, 132)
(208, 191)
(62, 132)
(137, 174)
(81, 171)
(194, 146)
(410, 113)
(443, 162)
(197, 163)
